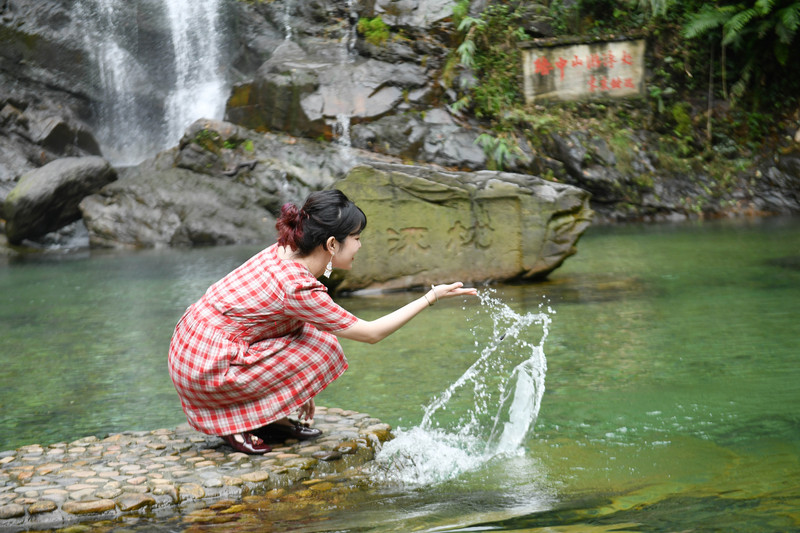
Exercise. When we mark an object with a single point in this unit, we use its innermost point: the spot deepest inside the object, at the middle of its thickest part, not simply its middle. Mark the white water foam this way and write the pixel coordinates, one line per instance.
(487, 412)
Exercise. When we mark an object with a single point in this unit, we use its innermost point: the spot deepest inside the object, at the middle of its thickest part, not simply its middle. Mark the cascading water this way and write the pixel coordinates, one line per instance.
(287, 20)
(199, 90)
(341, 128)
(487, 412)
(153, 82)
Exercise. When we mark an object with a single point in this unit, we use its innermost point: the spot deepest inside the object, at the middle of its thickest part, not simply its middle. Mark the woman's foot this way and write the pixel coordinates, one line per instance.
(286, 429)
(248, 443)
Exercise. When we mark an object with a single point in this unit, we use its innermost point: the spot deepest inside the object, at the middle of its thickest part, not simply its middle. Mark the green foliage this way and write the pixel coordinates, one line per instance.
(763, 35)
(212, 141)
(683, 120)
(489, 49)
(598, 17)
(374, 30)
(500, 150)
(208, 140)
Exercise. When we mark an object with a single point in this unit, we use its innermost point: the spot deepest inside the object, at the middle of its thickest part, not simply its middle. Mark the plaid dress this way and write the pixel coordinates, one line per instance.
(256, 346)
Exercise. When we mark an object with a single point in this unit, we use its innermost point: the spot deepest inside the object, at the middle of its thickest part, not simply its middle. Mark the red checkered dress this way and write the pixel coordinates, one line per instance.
(256, 346)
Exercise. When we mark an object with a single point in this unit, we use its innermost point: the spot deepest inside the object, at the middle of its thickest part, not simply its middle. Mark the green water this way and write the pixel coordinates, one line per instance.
(672, 395)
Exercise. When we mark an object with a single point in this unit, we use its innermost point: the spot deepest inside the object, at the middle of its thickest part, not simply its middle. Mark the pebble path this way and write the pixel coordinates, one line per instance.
(94, 479)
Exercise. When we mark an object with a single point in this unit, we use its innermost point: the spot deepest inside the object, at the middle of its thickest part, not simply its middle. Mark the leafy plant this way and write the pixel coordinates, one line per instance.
(488, 49)
(763, 35)
(374, 30)
(500, 150)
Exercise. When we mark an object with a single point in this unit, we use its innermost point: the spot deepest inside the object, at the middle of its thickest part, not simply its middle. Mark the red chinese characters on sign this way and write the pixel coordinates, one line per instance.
(607, 60)
(607, 84)
(542, 66)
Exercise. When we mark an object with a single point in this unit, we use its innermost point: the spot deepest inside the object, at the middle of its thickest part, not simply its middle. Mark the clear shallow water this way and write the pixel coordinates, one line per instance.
(671, 396)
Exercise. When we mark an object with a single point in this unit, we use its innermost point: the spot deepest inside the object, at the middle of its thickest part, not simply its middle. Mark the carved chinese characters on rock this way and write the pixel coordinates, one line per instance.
(608, 70)
(407, 239)
(477, 234)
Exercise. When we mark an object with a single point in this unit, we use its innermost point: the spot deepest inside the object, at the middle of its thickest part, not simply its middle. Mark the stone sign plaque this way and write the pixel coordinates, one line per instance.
(580, 71)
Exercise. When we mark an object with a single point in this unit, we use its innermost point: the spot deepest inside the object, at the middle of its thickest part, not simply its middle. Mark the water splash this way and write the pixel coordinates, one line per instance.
(351, 32)
(485, 413)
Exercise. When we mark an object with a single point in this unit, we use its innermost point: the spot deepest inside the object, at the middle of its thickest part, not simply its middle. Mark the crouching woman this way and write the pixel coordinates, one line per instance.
(262, 342)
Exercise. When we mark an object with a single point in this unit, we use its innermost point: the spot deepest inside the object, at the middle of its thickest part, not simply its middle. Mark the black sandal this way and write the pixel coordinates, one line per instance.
(277, 432)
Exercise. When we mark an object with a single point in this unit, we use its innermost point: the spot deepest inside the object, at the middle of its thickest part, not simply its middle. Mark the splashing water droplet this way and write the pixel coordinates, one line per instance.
(486, 412)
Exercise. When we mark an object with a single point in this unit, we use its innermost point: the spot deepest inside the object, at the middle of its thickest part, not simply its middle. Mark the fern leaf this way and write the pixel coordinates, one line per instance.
(466, 52)
(764, 7)
(469, 22)
(790, 17)
(736, 24)
(781, 52)
(705, 20)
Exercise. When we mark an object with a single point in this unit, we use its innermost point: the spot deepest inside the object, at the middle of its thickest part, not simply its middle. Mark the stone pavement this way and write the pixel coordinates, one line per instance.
(94, 479)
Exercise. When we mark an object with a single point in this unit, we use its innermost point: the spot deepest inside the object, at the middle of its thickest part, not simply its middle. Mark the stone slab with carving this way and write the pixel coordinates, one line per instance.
(430, 226)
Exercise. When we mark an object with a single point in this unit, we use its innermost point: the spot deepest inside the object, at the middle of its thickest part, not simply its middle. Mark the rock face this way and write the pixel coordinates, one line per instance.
(44, 95)
(278, 168)
(152, 206)
(304, 94)
(47, 198)
(426, 226)
(436, 138)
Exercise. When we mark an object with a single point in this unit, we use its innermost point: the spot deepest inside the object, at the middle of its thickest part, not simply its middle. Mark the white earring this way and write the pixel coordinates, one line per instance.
(328, 268)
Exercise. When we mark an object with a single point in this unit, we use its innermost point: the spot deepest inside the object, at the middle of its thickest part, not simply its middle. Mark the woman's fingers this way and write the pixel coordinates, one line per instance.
(454, 289)
(307, 410)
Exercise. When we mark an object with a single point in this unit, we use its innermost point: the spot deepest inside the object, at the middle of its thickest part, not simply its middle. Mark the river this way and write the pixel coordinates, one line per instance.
(670, 399)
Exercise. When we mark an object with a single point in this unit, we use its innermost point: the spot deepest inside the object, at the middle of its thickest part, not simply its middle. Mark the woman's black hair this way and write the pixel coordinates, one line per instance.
(324, 214)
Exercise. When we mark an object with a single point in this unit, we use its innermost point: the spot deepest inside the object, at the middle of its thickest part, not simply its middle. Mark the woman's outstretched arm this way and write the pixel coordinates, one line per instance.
(372, 331)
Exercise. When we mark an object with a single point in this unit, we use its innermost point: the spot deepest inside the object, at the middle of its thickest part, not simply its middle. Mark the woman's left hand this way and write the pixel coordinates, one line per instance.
(453, 289)
(307, 410)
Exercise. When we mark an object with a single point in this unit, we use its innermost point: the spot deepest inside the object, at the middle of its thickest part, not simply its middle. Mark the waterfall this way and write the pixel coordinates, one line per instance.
(199, 87)
(153, 82)
(287, 20)
(341, 132)
(486, 412)
(341, 128)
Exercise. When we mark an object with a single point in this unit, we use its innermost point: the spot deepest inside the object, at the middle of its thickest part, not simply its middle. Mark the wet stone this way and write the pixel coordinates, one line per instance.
(93, 506)
(42, 506)
(131, 502)
(93, 479)
(11, 510)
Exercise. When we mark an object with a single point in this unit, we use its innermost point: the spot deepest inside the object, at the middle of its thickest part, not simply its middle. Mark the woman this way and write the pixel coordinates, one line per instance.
(261, 342)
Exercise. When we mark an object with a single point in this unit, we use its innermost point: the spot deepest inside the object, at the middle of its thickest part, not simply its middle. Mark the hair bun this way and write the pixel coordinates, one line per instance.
(290, 225)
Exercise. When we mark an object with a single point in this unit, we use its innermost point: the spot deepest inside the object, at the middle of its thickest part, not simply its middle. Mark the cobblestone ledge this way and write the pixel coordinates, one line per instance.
(94, 479)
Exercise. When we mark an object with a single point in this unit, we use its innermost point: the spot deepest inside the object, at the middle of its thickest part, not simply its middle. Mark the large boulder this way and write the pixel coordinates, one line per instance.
(47, 198)
(151, 206)
(426, 226)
